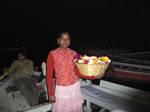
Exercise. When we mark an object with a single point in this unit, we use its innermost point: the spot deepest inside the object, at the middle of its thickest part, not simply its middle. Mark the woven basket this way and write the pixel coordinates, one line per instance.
(91, 69)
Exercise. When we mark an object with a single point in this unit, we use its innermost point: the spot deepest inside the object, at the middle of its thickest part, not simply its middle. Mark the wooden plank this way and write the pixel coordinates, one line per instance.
(111, 102)
(136, 93)
(41, 108)
(131, 65)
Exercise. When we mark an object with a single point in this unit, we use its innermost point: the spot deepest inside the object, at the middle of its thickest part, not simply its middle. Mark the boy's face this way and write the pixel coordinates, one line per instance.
(64, 41)
(21, 57)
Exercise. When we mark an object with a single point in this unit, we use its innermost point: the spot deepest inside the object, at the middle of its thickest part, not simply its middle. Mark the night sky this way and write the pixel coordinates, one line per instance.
(35, 24)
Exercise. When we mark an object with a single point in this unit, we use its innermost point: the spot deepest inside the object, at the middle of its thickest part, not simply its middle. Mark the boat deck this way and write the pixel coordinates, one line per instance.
(108, 96)
(11, 101)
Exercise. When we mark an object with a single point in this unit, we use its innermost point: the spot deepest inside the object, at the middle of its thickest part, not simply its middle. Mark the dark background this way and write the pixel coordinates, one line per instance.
(107, 24)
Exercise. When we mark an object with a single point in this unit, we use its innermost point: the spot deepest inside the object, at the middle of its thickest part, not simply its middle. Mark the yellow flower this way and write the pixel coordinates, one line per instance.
(104, 58)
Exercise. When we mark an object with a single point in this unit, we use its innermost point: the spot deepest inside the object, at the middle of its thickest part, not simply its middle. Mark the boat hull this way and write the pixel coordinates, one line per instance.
(133, 76)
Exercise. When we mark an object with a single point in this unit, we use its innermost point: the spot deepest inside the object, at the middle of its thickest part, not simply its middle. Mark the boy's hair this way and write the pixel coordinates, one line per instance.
(22, 52)
(63, 33)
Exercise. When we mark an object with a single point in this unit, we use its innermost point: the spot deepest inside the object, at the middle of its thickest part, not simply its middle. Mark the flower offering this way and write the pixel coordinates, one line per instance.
(91, 59)
(91, 65)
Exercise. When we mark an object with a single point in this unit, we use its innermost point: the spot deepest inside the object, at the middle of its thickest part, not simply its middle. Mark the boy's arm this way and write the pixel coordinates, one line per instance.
(5, 74)
(13, 68)
(49, 76)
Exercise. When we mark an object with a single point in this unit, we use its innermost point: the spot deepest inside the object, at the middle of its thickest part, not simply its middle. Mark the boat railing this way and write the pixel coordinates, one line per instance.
(132, 67)
(41, 108)
(135, 53)
(5, 80)
(106, 93)
(131, 60)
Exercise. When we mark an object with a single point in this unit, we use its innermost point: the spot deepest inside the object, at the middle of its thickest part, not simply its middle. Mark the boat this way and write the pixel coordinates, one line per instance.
(11, 99)
(129, 72)
(123, 68)
(130, 69)
(127, 65)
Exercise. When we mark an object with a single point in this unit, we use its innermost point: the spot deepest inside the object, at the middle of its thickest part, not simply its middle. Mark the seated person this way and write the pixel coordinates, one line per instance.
(24, 79)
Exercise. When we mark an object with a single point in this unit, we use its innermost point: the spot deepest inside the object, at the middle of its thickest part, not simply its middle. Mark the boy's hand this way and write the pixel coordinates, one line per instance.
(100, 75)
(17, 69)
(52, 99)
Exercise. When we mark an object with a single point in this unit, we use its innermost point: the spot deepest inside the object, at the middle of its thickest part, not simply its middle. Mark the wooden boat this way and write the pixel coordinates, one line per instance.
(129, 69)
(127, 65)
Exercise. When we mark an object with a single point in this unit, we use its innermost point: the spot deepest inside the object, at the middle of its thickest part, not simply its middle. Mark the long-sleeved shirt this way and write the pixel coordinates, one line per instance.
(22, 68)
(60, 60)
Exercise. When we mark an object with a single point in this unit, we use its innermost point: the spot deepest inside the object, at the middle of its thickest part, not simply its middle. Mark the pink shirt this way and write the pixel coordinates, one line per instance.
(60, 60)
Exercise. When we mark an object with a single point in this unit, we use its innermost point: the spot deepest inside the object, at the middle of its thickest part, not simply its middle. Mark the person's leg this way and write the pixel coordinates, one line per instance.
(22, 85)
(34, 91)
(28, 90)
(68, 99)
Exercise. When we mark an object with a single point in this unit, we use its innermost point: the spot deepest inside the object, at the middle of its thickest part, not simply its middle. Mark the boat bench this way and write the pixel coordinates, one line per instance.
(115, 98)
(41, 108)
(11, 89)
